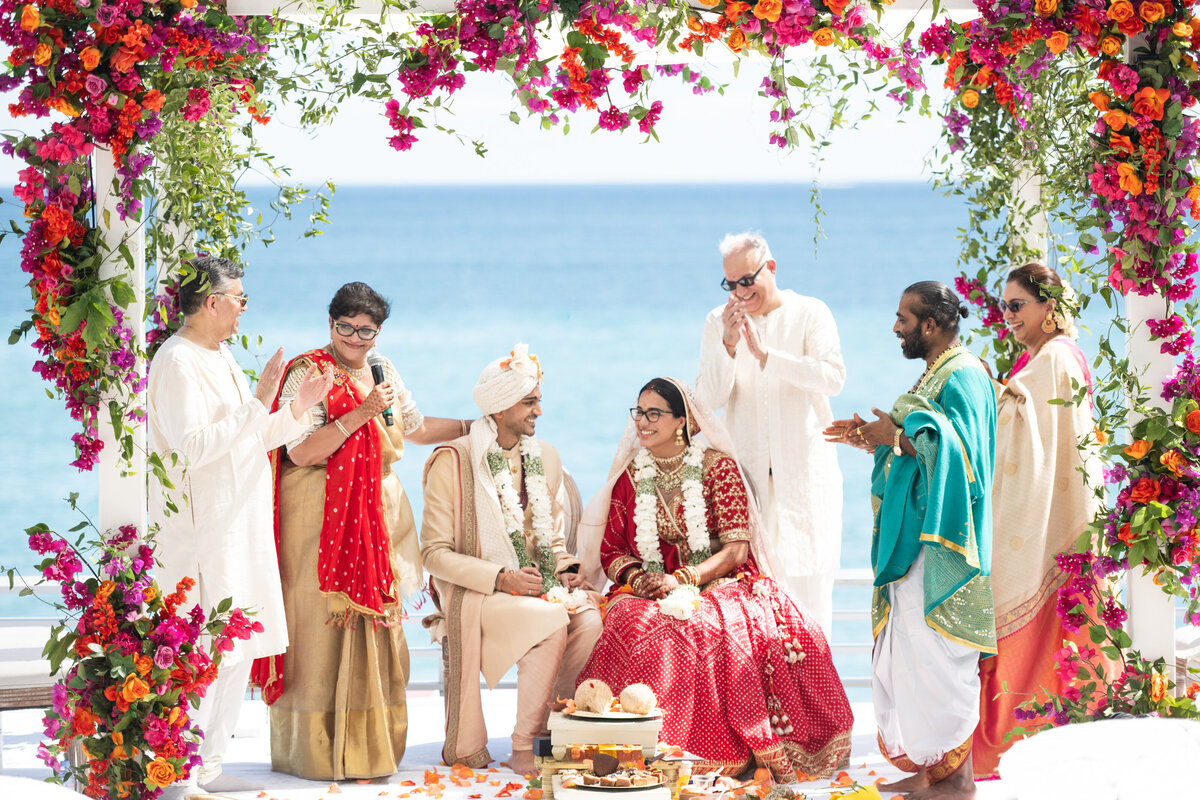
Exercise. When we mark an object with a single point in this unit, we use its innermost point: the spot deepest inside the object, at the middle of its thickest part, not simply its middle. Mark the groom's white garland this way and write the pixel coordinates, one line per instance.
(681, 602)
(538, 493)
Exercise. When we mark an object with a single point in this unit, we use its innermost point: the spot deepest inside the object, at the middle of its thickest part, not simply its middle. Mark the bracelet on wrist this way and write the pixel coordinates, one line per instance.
(342, 428)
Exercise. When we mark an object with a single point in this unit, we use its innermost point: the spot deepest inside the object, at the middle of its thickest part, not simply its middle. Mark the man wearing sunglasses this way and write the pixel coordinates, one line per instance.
(213, 435)
(771, 359)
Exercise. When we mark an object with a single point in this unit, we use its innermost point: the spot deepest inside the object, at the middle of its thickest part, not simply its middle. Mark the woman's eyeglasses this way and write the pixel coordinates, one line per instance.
(1014, 306)
(346, 329)
(241, 298)
(745, 282)
(651, 414)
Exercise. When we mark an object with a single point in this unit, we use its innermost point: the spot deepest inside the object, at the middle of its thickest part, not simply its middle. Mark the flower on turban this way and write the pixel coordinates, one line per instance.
(505, 381)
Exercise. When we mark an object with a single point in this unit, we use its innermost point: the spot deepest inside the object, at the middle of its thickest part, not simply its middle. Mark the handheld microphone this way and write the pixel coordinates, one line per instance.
(376, 362)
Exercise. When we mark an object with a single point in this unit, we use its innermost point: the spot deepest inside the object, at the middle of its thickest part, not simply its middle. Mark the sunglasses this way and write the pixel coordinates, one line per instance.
(745, 282)
(652, 414)
(1014, 306)
(241, 298)
(364, 333)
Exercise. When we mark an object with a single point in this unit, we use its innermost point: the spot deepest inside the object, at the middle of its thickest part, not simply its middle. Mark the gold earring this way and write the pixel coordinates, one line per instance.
(1049, 325)
(679, 436)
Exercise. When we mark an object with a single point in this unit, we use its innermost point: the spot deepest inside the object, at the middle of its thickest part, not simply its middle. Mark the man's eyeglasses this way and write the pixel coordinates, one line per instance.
(1014, 306)
(346, 329)
(241, 298)
(652, 414)
(745, 282)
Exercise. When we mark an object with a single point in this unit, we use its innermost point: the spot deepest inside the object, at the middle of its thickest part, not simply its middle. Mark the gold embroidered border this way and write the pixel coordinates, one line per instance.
(947, 766)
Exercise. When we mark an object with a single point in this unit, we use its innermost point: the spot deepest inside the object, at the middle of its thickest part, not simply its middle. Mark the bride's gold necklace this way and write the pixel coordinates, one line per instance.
(669, 477)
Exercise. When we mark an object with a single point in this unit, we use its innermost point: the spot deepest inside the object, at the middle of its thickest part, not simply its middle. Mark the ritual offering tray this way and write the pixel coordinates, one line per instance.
(598, 745)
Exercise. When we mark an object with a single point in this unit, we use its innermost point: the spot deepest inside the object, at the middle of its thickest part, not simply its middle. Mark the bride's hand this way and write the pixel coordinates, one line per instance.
(666, 585)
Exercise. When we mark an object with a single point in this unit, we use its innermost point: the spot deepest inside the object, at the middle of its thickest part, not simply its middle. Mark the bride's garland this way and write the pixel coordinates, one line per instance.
(539, 501)
(680, 603)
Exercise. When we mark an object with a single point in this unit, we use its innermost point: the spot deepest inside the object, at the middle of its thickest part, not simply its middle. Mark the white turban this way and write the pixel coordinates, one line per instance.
(505, 381)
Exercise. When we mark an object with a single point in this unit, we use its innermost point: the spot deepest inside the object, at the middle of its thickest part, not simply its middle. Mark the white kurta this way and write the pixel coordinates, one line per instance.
(201, 409)
(775, 414)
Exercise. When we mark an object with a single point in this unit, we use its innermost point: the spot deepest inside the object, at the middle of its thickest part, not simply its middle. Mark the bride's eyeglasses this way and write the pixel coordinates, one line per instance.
(651, 414)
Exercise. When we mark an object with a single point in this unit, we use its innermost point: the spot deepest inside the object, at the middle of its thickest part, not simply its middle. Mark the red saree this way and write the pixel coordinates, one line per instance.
(722, 676)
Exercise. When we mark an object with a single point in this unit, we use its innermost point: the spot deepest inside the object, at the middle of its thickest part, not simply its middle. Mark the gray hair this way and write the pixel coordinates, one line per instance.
(751, 241)
(202, 276)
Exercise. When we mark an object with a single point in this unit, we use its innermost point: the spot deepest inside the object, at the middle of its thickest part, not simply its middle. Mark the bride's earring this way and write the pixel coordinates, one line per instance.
(679, 436)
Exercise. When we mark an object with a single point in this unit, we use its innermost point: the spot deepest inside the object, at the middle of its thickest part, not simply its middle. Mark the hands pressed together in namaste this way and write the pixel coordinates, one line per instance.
(737, 325)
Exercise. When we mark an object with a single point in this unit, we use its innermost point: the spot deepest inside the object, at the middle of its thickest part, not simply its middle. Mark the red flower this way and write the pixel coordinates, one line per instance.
(1146, 490)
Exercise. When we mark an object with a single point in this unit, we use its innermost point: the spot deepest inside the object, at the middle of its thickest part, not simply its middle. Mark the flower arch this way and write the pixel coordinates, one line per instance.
(1095, 97)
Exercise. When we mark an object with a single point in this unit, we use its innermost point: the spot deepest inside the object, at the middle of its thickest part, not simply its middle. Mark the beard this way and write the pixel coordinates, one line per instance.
(912, 345)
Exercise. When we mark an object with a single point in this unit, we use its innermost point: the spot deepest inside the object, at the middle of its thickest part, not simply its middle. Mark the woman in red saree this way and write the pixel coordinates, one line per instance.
(348, 556)
(742, 676)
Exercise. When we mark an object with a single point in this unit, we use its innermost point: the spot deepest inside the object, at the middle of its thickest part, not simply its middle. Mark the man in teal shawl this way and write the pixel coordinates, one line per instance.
(931, 491)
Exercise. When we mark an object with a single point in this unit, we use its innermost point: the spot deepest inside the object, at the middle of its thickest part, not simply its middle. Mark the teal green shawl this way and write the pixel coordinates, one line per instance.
(940, 500)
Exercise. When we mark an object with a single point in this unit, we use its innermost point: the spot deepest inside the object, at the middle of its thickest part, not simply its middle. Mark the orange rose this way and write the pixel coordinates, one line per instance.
(707, 3)
(1158, 686)
(1120, 11)
(135, 688)
(1128, 179)
(1137, 451)
(695, 26)
(160, 772)
(1057, 42)
(1146, 490)
(1110, 46)
(1151, 12)
(1174, 461)
(59, 104)
(105, 590)
(1101, 434)
(125, 59)
(837, 6)
(31, 18)
(970, 98)
(1149, 102)
(41, 54)
(1116, 119)
(736, 40)
(823, 37)
(1100, 100)
(149, 593)
(1125, 534)
(188, 3)
(1182, 30)
(144, 665)
(1046, 7)
(1193, 417)
(768, 10)
(90, 57)
(735, 10)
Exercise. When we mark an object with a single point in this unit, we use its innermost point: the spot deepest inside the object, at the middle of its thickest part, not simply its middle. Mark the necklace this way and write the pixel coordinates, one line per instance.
(645, 513)
(933, 365)
(538, 493)
(669, 479)
(358, 373)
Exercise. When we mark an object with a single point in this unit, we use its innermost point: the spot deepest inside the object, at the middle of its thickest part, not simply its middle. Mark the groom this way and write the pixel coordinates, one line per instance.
(492, 538)
(931, 488)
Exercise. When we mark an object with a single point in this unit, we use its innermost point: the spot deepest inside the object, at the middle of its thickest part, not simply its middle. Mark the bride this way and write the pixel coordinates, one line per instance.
(742, 676)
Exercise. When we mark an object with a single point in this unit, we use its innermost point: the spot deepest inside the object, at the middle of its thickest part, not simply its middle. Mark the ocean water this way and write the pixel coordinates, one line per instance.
(609, 285)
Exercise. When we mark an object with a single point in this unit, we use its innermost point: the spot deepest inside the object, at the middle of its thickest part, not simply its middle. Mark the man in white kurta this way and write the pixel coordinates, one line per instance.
(771, 359)
(213, 434)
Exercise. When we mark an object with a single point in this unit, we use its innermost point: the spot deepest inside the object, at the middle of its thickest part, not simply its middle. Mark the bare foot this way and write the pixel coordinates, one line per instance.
(522, 763)
(912, 783)
(958, 786)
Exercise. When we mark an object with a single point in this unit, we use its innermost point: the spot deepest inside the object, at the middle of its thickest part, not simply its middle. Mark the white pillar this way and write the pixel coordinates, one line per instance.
(1151, 610)
(122, 485)
(1029, 220)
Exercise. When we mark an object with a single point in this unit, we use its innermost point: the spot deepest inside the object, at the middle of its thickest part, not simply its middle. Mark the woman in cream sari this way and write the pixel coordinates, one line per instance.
(348, 556)
(1041, 502)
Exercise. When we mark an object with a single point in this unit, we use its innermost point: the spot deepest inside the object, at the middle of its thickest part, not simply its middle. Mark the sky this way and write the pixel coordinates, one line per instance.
(703, 139)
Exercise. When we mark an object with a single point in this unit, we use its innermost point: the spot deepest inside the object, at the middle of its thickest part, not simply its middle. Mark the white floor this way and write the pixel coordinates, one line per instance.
(250, 757)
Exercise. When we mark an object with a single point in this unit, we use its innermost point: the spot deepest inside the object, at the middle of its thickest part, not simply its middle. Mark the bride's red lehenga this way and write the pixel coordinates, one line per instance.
(723, 675)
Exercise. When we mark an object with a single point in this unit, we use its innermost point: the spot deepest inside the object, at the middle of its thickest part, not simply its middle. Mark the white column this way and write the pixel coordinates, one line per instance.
(1029, 220)
(122, 486)
(1151, 610)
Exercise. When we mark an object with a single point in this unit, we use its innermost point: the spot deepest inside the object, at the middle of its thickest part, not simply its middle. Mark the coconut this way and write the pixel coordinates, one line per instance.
(638, 698)
(593, 695)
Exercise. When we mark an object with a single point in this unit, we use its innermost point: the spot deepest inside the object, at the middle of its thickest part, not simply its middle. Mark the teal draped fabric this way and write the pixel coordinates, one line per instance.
(940, 500)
